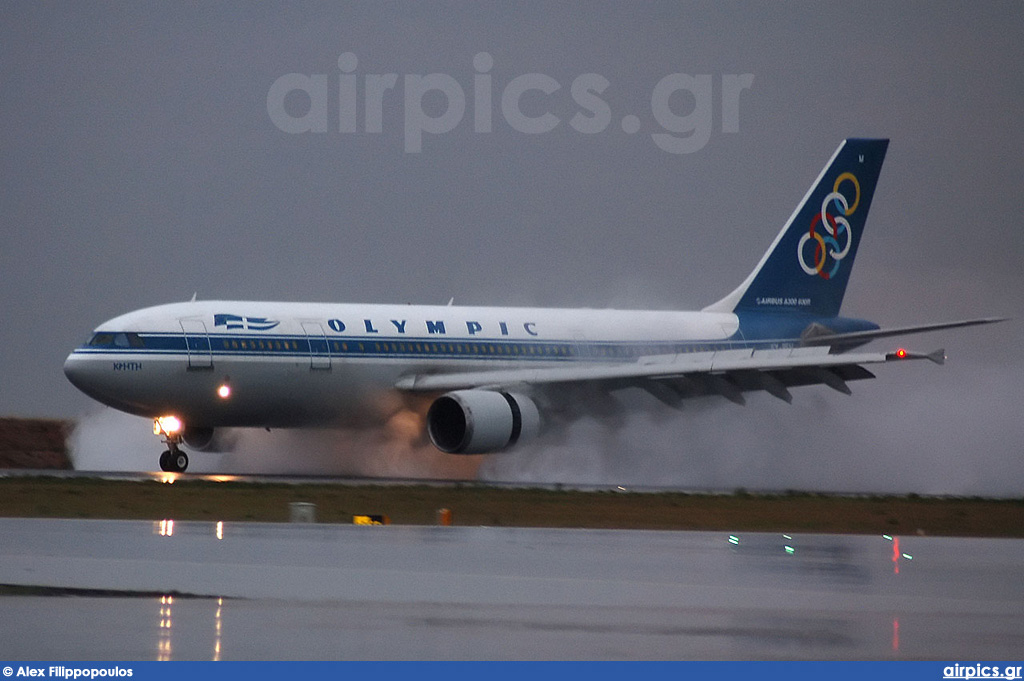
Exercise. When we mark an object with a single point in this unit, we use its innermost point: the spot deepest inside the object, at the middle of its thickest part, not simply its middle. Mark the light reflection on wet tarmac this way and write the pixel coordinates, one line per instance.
(261, 591)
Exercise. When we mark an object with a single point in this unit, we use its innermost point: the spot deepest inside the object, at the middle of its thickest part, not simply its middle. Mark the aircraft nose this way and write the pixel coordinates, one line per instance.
(91, 377)
(86, 375)
(74, 369)
(98, 378)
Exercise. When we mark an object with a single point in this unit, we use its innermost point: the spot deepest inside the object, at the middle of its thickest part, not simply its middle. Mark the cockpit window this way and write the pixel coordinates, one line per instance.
(119, 340)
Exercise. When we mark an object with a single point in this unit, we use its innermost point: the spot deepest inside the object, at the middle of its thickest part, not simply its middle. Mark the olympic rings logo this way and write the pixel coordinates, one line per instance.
(836, 230)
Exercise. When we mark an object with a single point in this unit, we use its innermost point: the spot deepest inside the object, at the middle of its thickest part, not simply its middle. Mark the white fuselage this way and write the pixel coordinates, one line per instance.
(311, 364)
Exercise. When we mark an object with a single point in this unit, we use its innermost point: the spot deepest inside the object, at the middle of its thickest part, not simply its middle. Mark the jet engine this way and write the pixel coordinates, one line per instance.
(481, 421)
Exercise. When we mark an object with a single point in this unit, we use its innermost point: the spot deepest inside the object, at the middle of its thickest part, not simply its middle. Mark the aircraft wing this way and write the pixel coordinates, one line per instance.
(671, 378)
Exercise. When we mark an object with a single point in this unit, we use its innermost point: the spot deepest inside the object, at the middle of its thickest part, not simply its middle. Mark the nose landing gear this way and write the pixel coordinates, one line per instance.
(173, 460)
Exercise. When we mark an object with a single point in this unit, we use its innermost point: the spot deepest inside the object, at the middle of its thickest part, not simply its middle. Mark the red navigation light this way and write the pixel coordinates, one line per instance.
(901, 353)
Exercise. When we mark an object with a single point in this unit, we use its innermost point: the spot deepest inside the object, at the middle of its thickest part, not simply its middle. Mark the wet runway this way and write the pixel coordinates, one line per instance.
(266, 591)
(390, 481)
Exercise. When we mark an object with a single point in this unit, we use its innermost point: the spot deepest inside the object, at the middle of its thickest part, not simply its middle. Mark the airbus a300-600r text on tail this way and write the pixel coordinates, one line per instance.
(492, 376)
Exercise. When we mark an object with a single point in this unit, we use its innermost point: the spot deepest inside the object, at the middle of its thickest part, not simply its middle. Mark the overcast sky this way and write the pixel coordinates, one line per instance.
(142, 162)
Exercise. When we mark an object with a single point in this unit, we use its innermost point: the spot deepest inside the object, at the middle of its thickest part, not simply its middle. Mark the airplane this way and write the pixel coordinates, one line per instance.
(493, 376)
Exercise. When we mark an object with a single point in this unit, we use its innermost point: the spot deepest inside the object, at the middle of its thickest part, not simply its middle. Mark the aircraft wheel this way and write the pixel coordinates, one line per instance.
(179, 461)
(165, 462)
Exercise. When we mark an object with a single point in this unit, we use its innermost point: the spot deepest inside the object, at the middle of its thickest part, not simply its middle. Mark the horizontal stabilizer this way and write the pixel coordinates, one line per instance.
(855, 338)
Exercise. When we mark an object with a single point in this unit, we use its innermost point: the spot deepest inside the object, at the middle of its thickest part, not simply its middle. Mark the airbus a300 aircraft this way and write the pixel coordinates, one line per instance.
(492, 376)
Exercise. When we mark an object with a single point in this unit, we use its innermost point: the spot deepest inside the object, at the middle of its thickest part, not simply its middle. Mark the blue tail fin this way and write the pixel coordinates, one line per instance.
(807, 267)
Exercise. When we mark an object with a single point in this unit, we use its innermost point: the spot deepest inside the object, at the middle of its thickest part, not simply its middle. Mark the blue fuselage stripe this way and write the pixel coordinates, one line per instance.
(223, 345)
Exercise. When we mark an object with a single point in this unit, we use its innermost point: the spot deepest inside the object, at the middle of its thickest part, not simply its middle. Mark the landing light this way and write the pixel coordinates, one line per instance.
(166, 425)
(224, 391)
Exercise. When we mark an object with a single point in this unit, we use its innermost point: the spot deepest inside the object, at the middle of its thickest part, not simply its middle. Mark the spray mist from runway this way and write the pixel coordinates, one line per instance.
(869, 443)
(872, 442)
(109, 440)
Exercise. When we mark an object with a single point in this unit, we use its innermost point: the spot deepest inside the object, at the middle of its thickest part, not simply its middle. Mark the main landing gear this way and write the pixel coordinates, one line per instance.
(173, 460)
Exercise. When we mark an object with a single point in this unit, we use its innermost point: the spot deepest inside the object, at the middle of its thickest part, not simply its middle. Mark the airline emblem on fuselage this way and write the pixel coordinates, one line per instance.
(233, 321)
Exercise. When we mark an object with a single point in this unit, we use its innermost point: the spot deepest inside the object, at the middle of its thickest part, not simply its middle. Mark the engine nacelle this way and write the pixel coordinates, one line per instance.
(206, 439)
(481, 421)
